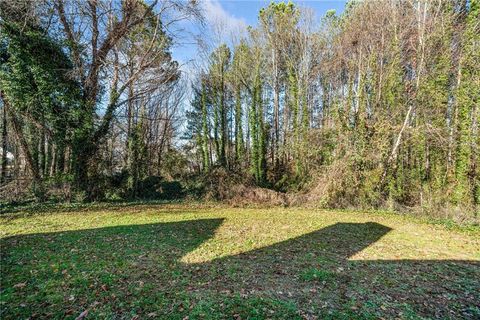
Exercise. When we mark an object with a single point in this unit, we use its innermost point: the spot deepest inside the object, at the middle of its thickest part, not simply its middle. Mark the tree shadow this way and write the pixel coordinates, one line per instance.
(314, 270)
(137, 270)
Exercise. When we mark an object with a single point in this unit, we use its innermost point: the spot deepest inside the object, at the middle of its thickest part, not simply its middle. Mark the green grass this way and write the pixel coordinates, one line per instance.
(314, 274)
(173, 262)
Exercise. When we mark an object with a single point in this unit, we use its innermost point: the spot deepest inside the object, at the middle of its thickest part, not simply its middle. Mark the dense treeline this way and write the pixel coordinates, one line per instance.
(90, 93)
(375, 107)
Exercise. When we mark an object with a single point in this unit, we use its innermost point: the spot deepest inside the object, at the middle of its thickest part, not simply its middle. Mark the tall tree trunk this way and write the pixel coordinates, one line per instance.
(4, 144)
(223, 123)
(205, 132)
(276, 109)
(238, 126)
(32, 164)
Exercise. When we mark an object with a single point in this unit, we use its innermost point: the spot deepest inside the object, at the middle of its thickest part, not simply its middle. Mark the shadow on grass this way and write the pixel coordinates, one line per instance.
(136, 271)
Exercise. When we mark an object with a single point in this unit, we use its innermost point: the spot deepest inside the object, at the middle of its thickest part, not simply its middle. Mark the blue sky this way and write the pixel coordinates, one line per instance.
(237, 14)
(248, 9)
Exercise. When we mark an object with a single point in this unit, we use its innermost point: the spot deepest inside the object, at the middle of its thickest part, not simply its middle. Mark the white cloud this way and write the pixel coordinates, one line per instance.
(223, 25)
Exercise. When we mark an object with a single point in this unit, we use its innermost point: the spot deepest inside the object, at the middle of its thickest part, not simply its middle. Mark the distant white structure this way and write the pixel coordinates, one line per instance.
(10, 156)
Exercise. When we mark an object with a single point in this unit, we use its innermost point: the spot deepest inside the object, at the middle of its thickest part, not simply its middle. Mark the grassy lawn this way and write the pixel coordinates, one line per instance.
(175, 262)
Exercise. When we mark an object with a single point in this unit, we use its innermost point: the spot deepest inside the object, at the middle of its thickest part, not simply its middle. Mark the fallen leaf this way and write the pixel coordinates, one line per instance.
(82, 315)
